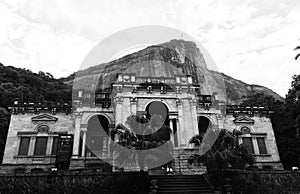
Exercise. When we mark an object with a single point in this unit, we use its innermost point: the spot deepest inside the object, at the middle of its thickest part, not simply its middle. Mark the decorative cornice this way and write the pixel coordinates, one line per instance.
(243, 120)
(44, 118)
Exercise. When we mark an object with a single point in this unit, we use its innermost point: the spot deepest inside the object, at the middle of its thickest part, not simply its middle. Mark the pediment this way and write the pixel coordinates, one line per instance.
(243, 120)
(44, 118)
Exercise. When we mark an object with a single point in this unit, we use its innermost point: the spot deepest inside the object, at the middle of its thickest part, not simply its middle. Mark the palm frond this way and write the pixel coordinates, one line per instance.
(297, 56)
(298, 47)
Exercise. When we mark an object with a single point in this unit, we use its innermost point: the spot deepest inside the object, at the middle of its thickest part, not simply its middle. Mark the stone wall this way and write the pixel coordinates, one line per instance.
(75, 182)
(263, 181)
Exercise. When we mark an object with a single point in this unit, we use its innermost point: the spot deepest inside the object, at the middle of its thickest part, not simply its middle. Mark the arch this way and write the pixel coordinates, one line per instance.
(108, 117)
(97, 135)
(204, 123)
(159, 108)
(42, 128)
(151, 101)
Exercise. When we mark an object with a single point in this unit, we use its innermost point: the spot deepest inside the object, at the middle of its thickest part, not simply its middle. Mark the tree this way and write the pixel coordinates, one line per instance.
(142, 143)
(224, 152)
(292, 104)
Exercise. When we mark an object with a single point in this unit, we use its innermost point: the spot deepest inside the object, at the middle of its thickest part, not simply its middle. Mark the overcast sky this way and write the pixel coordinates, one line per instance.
(251, 40)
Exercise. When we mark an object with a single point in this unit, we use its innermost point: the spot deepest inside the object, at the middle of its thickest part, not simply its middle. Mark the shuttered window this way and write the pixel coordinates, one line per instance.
(40, 146)
(249, 144)
(262, 145)
(24, 145)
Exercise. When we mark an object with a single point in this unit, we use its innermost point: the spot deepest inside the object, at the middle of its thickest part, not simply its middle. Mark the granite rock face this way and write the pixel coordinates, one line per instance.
(177, 57)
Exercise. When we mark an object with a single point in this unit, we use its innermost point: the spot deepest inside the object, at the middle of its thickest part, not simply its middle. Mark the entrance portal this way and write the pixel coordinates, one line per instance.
(203, 124)
(97, 137)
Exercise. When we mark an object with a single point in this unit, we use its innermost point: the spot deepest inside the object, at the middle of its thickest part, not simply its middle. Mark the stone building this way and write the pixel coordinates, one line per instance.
(105, 97)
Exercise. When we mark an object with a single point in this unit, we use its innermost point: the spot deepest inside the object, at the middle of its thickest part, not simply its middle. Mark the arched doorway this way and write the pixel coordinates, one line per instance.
(97, 136)
(158, 108)
(203, 124)
(158, 114)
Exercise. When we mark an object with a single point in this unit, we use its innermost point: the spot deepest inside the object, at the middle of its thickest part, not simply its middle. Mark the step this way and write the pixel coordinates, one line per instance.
(184, 189)
(182, 184)
(186, 192)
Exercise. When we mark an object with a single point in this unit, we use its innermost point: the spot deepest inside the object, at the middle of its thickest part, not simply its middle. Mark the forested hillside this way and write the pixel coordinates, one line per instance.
(31, 87)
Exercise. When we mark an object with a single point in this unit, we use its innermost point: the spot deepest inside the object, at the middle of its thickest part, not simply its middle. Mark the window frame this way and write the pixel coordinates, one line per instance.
(54, 144)
(264, 145)
(45, 147)
(20, 145)
(251, 140)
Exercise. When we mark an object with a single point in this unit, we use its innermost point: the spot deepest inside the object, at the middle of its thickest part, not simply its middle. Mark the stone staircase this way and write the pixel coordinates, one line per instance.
(183, 184)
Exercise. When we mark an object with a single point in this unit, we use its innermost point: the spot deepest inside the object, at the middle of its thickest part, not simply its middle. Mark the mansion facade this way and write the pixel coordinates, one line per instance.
(41, 138)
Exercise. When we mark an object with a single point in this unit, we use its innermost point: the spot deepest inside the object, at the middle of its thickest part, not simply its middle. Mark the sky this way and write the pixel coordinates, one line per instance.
(250, 40)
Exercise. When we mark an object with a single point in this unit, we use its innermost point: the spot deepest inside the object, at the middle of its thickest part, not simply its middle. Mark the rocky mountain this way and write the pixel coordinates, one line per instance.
(169, 59)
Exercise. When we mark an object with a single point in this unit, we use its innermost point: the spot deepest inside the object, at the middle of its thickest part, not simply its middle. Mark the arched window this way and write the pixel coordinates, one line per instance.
(43, 129)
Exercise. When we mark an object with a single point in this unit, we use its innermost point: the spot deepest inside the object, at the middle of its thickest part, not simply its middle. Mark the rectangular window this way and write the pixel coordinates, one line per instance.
(249, 144)
(40, 146)
(262, 145)
(54, 146)
(80, 94)
(24, 145)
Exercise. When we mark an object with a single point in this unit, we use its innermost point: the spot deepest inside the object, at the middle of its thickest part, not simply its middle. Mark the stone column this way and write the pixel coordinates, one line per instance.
(172, 127)
(133, 103)
(83, 142)
(193, 103)
(181, 129)
(119, 110)
(177, 133)
(76, 135)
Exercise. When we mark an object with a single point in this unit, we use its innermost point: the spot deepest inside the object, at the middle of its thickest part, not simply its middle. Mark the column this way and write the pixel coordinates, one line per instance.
(119, 110)
(109, 142)
(83, 142)
(172, 135)
(181, 130)
(76, 135)
(193, 103)
(133, 103)
(176, 135)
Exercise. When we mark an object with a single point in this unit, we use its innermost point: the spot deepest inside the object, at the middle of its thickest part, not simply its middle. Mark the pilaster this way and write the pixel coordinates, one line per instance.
(78, 116)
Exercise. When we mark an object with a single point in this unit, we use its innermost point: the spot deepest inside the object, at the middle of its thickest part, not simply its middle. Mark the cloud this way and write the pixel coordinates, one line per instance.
(250, 40)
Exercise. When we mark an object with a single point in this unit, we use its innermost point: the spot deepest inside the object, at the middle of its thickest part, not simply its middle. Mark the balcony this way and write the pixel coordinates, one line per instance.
(103, 99)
